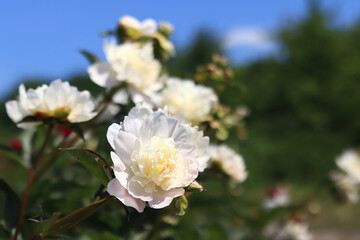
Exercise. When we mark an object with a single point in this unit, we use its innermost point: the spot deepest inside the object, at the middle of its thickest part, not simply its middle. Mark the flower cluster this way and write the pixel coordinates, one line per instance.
(159, 128)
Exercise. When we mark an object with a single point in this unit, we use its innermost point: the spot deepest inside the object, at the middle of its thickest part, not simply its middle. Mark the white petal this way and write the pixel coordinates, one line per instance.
(118, 164)
(28, 125)
(120, 169)
(101, 74)
(156, 125)
(140, 110)
(125, 143)
(121, 97)
(133, 125)
(148, 27)
(164, 198)
(15, 110)
(112, 132)
(51, 95)
(136, 190)
(114, 188)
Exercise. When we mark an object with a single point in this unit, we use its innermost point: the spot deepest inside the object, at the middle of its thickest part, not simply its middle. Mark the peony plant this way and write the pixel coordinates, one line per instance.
(167, 140)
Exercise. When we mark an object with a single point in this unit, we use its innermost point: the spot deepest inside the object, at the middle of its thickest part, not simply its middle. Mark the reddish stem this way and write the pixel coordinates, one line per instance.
(30, 181)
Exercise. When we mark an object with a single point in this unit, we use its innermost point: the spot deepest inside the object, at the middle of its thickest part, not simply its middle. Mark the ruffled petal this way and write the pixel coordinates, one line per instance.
(15, 110)
(115, 189)
(101, 74)
(112, 132)
(164, 198)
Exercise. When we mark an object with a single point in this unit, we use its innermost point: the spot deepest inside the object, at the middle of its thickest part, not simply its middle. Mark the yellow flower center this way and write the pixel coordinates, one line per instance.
(155, 161)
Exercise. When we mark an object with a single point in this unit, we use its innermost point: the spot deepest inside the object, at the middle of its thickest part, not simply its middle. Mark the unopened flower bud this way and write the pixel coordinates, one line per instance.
(166, 29)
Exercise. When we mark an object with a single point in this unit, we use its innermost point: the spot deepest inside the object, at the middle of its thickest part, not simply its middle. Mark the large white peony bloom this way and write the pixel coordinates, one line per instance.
(229, 161)
(58, 100)
(154, 158)
(349, 162)
(148, 27)
(188, 101)
(130, 63)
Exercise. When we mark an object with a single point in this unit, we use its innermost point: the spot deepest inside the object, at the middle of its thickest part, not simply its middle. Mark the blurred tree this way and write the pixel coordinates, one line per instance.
(304, 101)
(198, 52)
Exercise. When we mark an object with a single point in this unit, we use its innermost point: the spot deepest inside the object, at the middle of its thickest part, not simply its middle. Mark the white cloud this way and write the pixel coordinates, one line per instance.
(248, 37)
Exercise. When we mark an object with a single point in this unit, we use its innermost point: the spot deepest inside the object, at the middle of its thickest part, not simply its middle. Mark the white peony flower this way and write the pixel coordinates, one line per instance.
(148, 27)
(346, 186)
(349, 162)
(58, 100)
(295, 230)
(154, 158)
(188, 101)
(130, 63)
(277, 196)
(229, 161)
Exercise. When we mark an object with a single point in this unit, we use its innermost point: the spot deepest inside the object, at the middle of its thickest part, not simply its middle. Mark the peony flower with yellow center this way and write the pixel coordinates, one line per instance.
(154, 159)
(59, 100)
(187, 101)
(130, 63)
(229, 161)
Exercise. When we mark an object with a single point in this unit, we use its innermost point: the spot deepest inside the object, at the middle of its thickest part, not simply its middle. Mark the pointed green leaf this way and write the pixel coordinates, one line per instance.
(75, 217)
(93, 162)
(194, 187)
(90, 57)
(11, 204)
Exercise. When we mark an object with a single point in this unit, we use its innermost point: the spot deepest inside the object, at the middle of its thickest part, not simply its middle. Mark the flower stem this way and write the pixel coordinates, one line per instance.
(31, 179)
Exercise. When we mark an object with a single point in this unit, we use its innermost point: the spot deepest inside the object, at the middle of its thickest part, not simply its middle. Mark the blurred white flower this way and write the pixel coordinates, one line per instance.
(349, 162)
(346, 186)
(58, 100)
(277, 196)
(148, 27)
(295, 230)
(187, 101)
(130, 63)
(229, 161)
(154, 158)
(196, 138)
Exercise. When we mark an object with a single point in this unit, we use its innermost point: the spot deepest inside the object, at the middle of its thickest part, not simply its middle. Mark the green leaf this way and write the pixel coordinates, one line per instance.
(89, 56)
(11, 204)
(93, 162)
(75, 217)
(181, 205)
(46, 224)
(12, 154)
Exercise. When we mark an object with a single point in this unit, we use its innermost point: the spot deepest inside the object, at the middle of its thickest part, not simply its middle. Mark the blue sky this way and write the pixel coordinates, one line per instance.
(41, 38)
